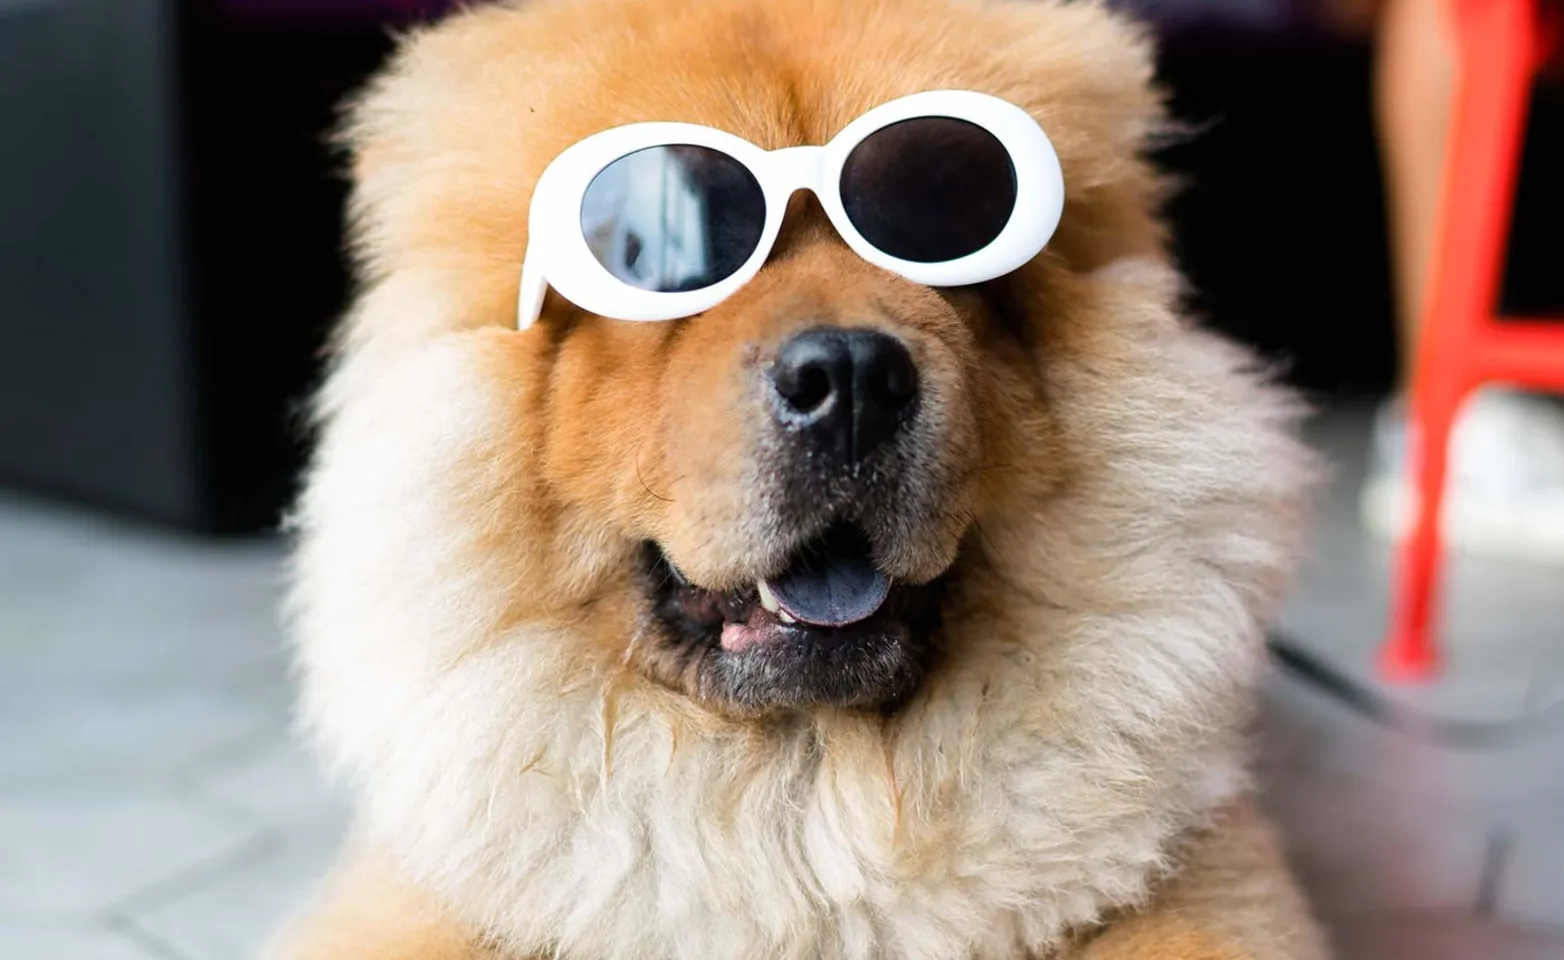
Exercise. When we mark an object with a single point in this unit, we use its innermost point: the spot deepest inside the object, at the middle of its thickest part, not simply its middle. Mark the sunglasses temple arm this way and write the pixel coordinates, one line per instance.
(533, 287)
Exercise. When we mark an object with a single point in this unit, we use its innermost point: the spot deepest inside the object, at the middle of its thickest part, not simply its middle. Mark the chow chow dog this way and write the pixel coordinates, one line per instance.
(552, 588)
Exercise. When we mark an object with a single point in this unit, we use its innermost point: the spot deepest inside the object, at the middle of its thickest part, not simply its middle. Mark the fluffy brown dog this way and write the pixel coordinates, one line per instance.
(1035, 749)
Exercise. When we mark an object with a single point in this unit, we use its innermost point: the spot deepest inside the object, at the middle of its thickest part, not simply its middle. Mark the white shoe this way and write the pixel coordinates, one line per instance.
(1504, 493)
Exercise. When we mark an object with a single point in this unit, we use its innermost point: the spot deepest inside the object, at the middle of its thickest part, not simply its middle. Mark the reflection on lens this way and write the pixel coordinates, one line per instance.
(673, 218)
(929, 189)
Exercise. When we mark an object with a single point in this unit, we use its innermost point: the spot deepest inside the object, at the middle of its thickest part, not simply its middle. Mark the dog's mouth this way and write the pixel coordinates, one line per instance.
(829, 585)
(829, 629)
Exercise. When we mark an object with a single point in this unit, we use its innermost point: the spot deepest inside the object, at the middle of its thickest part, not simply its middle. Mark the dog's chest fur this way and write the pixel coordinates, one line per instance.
(980, 823)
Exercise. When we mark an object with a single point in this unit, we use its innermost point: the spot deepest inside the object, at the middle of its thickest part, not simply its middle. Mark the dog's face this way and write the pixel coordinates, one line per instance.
(802, 466)
(786, 486)
(800, 463)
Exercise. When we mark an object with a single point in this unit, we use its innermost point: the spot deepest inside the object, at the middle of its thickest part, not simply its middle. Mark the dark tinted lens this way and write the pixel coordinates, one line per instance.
(929, 189)
(673, 218)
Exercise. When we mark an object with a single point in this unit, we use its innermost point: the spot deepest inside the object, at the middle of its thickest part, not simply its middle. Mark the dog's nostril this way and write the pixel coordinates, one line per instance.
(811, 371)
(805, 387)
(849, 390)
(888, 373)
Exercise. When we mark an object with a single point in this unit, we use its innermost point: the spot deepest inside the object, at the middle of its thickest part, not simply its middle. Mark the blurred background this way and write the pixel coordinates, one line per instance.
(170, 262)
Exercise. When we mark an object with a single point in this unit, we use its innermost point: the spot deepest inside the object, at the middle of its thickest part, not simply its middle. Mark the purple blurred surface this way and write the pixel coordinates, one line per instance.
(1262, 16)
(1265, 16)
(314, 10)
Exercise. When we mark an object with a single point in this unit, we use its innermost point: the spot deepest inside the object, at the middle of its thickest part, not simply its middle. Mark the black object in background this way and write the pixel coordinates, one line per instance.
(1279, 221)
(169, 251)
(1280, 224)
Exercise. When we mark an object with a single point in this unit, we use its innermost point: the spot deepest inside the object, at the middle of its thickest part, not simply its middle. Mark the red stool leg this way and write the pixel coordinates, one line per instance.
(1412, 652)
(1496, 56)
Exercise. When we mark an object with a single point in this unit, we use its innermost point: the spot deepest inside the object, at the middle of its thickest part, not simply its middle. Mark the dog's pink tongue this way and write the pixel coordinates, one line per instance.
(834, 592)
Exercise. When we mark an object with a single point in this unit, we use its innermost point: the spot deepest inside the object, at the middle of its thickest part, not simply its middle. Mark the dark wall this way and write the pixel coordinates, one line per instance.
(263, 203)
(95, 363)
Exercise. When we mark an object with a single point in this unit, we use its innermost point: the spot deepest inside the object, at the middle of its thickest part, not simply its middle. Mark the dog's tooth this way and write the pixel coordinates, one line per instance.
(785, 617)
(768, 599)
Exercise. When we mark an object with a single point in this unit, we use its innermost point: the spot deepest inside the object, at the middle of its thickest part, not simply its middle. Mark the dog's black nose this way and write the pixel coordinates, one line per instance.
(849, 390)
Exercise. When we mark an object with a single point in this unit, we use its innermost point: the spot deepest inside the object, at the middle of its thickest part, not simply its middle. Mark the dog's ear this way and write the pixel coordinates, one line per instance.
(373, 135)
(441, 168)
(1087, 73)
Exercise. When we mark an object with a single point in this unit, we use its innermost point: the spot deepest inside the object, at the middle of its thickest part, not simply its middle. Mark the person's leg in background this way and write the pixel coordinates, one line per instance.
(1507, 453)
(1412, 77)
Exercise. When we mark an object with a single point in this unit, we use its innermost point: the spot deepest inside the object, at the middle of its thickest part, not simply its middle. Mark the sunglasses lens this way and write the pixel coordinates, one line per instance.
(673, 218)
(930, 189)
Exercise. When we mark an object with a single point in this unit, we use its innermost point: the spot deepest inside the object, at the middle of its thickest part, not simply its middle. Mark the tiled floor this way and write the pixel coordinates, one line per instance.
(152, 803)
(153, 807)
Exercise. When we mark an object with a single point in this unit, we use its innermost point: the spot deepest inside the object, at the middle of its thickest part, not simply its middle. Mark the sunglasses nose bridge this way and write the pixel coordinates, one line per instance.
(799, 168)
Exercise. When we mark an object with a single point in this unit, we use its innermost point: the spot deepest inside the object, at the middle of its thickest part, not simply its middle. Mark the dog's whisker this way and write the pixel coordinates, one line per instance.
(635, 458)
(988, 543)
(636, 637)
(888, 752)
(610, 720)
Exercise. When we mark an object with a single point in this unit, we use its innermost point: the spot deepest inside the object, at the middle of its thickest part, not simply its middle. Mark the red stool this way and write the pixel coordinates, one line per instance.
(1500, 48)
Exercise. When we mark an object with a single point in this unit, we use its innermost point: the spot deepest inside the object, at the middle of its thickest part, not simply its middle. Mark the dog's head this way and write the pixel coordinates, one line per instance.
(782, 490)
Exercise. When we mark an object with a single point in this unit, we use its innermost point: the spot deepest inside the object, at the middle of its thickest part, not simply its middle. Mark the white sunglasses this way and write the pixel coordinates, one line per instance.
(657, 221)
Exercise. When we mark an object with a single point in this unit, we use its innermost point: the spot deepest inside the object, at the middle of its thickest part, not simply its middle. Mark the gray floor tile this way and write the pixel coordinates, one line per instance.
(124, 735)
(130, 653)
(1444, 938)
(278, 783)
(112, 618)
(1362, 850)
(75, 850)
(20, 941)
(230, 916)
(1311, 738)
(1531, 886)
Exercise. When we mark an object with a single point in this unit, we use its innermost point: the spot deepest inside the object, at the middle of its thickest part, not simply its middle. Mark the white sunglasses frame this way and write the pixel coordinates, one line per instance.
(558, 256)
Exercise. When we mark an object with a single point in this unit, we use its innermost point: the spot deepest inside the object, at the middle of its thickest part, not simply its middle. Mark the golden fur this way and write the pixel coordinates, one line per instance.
(1116, 495)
